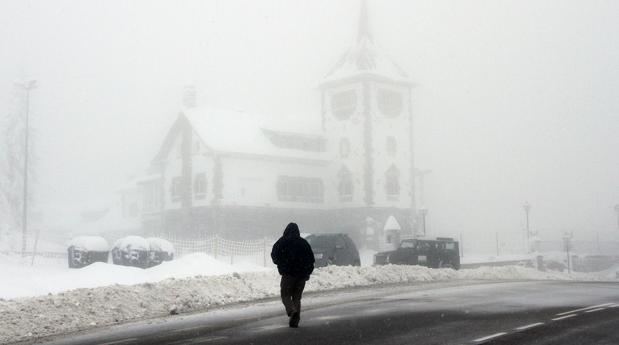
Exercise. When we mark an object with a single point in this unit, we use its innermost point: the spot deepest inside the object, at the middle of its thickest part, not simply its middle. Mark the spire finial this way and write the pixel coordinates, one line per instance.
(364, 22)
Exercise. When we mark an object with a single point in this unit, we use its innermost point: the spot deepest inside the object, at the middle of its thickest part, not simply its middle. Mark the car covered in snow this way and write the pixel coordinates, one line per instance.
(441, 252)
(131, 251)
(334, 249)
(159, 250)
(85, 250)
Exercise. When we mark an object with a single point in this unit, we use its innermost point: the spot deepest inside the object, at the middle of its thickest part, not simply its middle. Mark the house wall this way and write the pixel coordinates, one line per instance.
(252, 181)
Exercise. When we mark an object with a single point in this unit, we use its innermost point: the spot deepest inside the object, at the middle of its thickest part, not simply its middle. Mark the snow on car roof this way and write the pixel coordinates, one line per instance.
(89, 243)
(132, 242)
(160, 245)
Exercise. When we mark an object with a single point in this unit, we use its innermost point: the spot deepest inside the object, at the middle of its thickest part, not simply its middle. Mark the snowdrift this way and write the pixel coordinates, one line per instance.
(28, 318)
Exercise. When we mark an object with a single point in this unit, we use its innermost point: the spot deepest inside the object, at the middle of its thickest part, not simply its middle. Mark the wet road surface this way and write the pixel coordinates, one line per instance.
(473, 312)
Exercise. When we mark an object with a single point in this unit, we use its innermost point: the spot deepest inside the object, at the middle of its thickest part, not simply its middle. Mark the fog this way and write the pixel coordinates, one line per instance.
(513, 101)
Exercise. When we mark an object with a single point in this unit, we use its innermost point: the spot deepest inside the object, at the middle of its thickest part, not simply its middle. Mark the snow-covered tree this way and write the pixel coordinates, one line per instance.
(13, 154)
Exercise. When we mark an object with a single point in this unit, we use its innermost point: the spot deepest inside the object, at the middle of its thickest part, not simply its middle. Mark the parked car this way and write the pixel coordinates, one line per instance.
(131, 251)
(442, 252)
(85, 250)
(334, 249)
(159, 250)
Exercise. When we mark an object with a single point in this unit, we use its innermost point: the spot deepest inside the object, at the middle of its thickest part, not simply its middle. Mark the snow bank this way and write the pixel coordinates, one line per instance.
(90, 243)
(53, 276)
(525, 273)
(25, 318)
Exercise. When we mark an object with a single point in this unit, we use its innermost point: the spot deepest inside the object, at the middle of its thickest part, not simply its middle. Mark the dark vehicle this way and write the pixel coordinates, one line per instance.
(442, 252)
(334, 249)
(131, 251)
(85, 250)
(160, 250)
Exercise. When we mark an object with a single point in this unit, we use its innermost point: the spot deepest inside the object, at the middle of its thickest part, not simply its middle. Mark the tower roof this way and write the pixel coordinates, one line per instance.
(365, 59)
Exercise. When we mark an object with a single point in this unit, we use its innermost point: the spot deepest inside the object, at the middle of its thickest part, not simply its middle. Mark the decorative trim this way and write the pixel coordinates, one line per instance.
(368, 151)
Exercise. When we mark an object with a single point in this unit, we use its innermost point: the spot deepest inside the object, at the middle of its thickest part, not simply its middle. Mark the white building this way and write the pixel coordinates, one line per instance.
(225, 172)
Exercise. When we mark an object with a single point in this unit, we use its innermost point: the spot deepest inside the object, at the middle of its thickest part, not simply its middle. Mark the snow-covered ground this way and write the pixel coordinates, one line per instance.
(103, 294)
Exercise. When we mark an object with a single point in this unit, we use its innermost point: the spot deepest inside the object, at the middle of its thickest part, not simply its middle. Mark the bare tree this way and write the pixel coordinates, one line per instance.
(15, 161)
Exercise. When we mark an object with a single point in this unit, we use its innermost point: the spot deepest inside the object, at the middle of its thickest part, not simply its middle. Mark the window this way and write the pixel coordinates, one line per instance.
(344, 147)
(176, 188)
(392, 146)
(343, 104)
(151, 194)
(392, 183)
(408, 244)
(199, 185)
(133, 210)
(300, 189)
(345, 186)
(389, 102)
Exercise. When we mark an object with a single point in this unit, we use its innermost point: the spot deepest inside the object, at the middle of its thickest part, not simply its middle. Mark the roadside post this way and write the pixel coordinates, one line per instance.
(567, 244)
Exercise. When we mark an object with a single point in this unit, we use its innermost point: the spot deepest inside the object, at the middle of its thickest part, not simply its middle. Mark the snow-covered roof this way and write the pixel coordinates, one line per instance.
(89, 243)
(235, 131)
(160, 245)
(392, 224)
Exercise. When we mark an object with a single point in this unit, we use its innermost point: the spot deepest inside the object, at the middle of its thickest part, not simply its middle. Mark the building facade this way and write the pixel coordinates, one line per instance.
(225, 172)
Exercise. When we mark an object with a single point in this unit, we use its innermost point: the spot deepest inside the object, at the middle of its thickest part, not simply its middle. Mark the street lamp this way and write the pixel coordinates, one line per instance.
(27, 87)
(527, 209)
(423, 211)
(567, 244)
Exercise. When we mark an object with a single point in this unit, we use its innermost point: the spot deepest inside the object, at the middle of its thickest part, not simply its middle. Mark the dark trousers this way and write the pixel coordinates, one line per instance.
(291, 291)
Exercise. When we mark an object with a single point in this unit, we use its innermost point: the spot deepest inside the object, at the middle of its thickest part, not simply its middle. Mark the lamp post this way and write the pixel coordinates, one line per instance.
(27, 87)
(423, 211)
(527, 209)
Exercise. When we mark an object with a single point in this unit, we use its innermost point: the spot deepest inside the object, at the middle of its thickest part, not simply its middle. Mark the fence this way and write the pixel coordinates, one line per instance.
(221, 248)
(216, 246)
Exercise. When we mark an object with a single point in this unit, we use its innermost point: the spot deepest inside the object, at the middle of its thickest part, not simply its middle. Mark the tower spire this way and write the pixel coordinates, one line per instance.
(364, 22)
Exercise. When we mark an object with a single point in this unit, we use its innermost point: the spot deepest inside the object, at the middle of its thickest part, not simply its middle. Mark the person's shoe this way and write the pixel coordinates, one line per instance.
(294, 320)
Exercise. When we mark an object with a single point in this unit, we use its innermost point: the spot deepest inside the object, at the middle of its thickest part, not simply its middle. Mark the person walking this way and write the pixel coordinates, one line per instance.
(295, 262)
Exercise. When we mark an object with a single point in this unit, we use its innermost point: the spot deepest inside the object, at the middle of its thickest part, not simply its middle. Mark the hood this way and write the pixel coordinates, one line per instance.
(292, 230)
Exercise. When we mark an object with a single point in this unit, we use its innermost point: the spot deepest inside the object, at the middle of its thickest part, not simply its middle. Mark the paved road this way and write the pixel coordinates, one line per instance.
(434, 313)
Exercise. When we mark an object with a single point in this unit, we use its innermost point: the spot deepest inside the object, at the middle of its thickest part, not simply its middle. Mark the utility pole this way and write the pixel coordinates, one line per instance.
(424, 213)
(496, 234)
(27, 87)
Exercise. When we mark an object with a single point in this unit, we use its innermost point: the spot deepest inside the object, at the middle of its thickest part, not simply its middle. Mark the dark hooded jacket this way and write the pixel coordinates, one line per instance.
(292, 254)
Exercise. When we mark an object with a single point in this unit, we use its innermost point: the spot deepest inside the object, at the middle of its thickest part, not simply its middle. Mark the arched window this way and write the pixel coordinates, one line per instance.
(345, 186)
(343, 104)
(392, 183)
(392, 146)
(389, 102)
(344, 147)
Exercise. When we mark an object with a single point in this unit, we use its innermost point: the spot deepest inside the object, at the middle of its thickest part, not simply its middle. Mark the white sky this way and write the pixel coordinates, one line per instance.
(515, 100)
